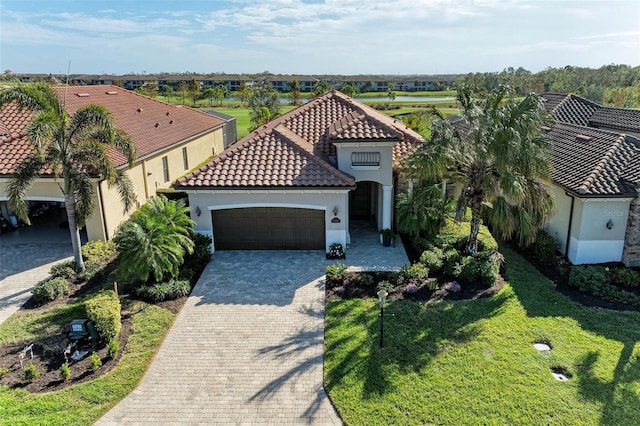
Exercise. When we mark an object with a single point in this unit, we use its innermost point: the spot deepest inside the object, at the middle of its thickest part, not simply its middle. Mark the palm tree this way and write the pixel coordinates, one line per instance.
(154, 240)
(74, 148)
(500, 160)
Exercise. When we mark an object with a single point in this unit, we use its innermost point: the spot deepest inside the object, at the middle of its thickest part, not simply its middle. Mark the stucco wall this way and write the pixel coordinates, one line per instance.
(559, 222)
(382, 175)
(317, 199)
(631, 252)
(591, 240)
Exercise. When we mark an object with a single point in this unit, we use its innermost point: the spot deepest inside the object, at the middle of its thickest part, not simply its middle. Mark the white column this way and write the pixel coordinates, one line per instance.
(387, 205)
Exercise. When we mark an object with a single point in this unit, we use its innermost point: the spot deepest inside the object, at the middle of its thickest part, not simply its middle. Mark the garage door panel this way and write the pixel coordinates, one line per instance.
(269, 228)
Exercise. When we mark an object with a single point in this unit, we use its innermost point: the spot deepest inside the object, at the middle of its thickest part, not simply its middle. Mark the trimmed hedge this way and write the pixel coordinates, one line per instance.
(50, 289)
(164, 291)
(66, 269)
(456, 235)
(595, 280)
(104, 310)
(98, 250)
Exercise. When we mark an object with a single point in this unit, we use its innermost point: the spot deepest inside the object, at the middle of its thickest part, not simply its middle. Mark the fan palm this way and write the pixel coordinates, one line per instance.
(499, 158)
(154, 240)
(74, 148)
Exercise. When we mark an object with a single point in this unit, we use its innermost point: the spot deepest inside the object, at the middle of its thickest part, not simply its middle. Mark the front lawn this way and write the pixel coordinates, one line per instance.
(83, 403)
(472, 361)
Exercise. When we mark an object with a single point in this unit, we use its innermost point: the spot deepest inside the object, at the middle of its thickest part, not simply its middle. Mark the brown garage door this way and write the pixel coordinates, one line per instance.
(268, 228)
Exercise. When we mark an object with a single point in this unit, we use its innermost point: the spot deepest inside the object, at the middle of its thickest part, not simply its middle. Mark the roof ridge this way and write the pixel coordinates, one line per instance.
(561, 103)
(602, 164)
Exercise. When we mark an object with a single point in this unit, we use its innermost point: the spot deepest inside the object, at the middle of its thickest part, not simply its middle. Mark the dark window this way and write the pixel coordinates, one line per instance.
(185, 158)
(365, 158)
(165, 168)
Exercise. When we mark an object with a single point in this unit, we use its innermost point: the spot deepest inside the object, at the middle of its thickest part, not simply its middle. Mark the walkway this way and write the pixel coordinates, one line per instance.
(365, 253)
(247, 348)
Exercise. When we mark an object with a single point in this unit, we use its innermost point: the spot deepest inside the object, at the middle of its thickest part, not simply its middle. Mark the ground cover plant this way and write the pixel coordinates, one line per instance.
(472, 361)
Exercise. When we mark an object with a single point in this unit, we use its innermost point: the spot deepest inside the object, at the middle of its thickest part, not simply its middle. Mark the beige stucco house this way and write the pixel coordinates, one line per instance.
(298, 181)
(170, 141)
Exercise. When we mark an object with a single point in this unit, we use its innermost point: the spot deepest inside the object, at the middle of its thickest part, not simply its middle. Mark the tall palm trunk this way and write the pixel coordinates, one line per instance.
(70, 206)
(476, 212)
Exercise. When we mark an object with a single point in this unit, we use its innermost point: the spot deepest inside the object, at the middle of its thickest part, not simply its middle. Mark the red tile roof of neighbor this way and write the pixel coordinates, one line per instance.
(294, 150)
(153, 125)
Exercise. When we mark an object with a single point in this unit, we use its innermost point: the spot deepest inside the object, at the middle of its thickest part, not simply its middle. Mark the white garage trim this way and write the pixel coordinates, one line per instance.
(251, 205)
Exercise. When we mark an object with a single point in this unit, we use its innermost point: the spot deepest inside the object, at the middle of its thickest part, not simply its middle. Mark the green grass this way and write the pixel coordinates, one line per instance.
(472, 362)
(83, 403)
(242, 117)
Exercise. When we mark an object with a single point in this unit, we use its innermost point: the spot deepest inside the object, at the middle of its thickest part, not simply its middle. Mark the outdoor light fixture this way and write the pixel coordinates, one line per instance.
(335, 211)
(609, 224)
(198, 211)
(382, 297)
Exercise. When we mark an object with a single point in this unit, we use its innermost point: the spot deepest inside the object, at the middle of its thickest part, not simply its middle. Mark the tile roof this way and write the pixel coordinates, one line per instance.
(626, 120)
(593, 164)
(294, 150)
(153, 125)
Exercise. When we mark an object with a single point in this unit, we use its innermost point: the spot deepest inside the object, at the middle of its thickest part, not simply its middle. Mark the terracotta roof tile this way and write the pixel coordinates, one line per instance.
(153, 125)
(302, 141)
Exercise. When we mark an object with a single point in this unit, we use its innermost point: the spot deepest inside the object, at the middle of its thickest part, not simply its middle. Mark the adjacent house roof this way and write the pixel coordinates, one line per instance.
(296, 149)
(587, 159)
(592, 162)
(153, 125)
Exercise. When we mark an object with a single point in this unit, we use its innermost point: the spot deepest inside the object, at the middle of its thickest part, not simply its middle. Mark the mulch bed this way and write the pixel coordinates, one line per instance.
(48, 352)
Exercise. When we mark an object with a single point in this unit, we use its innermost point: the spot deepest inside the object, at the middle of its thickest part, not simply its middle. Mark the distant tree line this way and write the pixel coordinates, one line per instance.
(615, 85)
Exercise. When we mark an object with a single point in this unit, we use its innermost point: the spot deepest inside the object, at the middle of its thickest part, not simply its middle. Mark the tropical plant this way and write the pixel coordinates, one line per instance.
(391, 94)
(194, 89)
(209, 94)
(264, 104)
(75, 148)
(244, 93)
(154, 240)
(220, 92)
(501, 161)
(422, 211)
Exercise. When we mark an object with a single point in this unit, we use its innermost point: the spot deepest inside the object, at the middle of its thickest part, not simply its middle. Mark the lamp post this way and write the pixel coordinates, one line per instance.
(382, 297)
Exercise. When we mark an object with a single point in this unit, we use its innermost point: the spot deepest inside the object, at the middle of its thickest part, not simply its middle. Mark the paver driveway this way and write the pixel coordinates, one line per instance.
(247, 348)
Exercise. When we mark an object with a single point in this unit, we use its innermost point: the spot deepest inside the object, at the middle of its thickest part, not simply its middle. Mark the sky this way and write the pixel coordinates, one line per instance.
(315, 36)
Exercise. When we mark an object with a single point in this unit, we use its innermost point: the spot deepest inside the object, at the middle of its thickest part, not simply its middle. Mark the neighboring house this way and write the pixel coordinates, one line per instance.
(297, 182)
(596, 180)
(170, 140)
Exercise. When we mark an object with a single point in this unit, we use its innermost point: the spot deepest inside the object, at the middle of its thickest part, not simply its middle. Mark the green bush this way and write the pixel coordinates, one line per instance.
(336, 273)
(457, 235)
(100, 250)
(104, 310)
(50, 289)
(170, 290)
(195, 262)
(363, 280)
(31, 372)
(96, 362)
(624, 277)
(112, 348)
(66, 269)
(481, 267)
(451, 262)
(416, 271)
(433, 259)
(65, 372)
(386, 286)
(92, 268)
(594, 280)
(544, 248)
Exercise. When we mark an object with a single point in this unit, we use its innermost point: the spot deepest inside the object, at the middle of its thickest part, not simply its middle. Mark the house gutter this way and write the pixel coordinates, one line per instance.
(573, 200)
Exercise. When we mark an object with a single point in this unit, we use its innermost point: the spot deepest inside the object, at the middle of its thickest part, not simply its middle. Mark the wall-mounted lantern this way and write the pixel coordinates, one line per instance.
(609, 224)
(198, 211)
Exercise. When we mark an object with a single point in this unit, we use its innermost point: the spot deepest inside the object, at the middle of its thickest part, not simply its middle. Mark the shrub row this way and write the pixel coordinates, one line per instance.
(595, 280)
(104, 310)
(170, 290)
(50, 289)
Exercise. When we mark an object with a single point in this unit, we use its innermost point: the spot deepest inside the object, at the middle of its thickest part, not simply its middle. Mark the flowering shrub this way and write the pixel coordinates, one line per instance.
(411, 288)
(336, 251)
(453, 287)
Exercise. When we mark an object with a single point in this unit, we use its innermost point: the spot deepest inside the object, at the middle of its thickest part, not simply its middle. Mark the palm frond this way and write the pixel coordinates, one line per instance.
(125, 190)
(82, 189)
(26, 172)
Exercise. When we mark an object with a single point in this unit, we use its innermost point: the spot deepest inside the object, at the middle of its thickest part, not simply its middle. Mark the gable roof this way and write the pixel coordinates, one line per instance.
(153, 125)
(592, 162)
(587, 160)
(295, 150)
